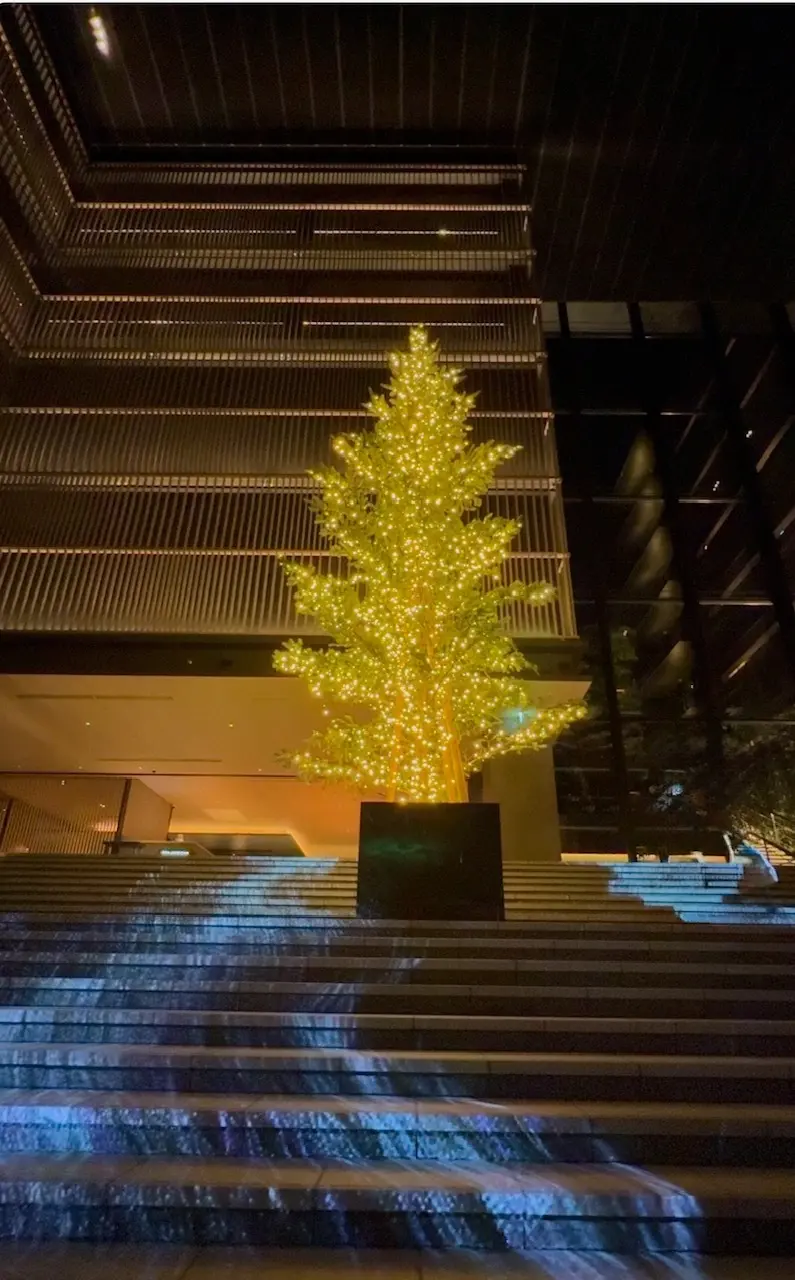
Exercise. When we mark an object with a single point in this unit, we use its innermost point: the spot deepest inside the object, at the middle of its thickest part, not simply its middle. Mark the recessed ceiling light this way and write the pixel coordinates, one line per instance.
(231, 726)
(100, 33)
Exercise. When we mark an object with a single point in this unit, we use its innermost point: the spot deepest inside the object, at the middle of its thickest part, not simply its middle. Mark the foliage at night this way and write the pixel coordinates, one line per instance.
(419, 643)
(762, 793)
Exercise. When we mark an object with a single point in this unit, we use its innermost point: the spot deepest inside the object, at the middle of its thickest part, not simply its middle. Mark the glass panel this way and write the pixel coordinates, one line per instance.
(681, 374)
(749, 659)
(720, 548)
(670, 317)
(704, 462)
(605, 319)
(606, 373)
(672, 803)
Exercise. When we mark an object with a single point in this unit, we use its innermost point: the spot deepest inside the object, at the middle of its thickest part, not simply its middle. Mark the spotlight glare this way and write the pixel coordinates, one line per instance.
(100, 33)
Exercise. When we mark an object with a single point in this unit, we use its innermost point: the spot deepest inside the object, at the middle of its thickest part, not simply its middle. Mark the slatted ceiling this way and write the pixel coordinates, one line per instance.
(211, 73)
(656, 140)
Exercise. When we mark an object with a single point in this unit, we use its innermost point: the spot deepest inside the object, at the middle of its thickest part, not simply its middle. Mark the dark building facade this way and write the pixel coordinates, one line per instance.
(184, 328)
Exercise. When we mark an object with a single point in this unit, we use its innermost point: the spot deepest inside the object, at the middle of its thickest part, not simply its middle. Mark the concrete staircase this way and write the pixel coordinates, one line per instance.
(219, 1052)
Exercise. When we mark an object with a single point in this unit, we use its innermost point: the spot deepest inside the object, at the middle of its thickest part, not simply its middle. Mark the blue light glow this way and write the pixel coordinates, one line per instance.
(516, 717)
(228, 1059)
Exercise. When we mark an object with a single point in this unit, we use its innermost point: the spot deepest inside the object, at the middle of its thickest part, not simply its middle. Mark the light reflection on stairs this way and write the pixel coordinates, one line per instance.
(219, 1052)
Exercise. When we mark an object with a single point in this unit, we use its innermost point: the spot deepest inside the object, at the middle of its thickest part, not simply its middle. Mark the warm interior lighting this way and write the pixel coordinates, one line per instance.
(100, 33)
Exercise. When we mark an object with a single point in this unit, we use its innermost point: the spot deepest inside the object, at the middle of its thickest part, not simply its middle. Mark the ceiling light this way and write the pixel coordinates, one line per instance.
(100, 33)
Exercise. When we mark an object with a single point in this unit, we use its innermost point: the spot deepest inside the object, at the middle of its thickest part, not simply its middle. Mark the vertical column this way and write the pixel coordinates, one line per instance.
(524, 787)
(596, 578)
(706, 694)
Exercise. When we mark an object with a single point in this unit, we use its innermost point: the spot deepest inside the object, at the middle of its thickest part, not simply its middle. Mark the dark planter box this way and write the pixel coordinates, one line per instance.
(430, 862)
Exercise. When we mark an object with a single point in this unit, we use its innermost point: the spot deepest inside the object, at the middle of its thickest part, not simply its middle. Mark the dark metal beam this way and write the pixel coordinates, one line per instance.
(778, 586)
(596, 577)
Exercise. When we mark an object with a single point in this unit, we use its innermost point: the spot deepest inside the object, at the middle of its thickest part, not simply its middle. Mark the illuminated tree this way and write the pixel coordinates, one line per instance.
(420, 647)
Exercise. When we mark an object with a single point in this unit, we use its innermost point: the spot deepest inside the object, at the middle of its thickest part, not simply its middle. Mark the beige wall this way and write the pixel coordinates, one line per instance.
(147, 814)
(524, 788)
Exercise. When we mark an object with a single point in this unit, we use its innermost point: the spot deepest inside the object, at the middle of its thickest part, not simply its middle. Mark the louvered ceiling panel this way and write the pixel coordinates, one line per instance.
(657, 137)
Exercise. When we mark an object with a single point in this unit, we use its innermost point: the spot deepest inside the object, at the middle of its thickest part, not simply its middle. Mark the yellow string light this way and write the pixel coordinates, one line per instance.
(418, 618)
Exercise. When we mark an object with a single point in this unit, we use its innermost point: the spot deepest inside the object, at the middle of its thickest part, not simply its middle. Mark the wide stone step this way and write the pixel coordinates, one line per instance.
(766, 1037)
(365, 1030)
(301, 928)
(267, 912)
(79, 1261)
(647, 924)
(340, 1128)
(407, 1074)
(134, 941)
(142, 967)
(398, 1204)
(209, 900)
(682, 1000)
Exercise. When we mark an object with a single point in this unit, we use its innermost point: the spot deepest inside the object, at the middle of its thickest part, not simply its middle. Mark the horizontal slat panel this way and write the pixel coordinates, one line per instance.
(17, 293)
(339, 388)
(26, 157)
(260, 226)
(266, 521)
(270, 330)
(296, 182)
(161, 446)
(363, 286)
(72, 815)
(184, 593)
